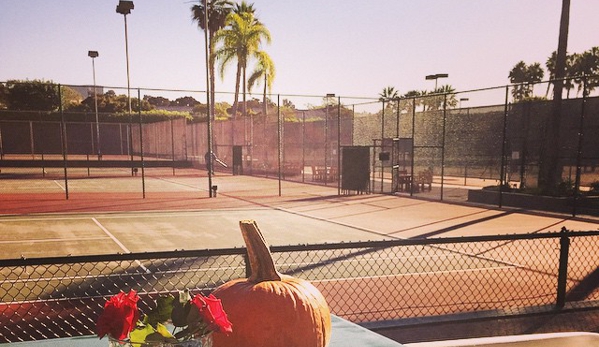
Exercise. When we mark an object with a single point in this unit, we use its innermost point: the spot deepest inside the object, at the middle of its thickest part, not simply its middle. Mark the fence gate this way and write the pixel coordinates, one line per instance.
(391, 165)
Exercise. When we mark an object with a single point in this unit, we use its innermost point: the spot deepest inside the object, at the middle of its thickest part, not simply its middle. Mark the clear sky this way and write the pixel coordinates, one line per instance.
(347, 47)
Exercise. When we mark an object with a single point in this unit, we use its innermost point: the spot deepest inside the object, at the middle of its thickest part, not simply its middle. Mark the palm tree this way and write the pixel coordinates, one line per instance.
(436, 102)
(389, 95)
(518, 75)
(525, 76)
(265, 68)
(535, 75)
(550, 65)
(586, 64)
(244, 7)
(412, 96)
(217, 13)
(451, 100)
(239, 40)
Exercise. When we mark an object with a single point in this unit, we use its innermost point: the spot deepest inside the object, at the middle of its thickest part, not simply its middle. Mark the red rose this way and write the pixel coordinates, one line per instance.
(212, 313)
(119, 317)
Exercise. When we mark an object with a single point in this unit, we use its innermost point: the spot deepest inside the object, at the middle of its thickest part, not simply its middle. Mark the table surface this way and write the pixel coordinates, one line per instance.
(344, 334)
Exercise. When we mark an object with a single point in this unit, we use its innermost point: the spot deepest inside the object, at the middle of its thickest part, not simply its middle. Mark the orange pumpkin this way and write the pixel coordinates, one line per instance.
(270, 309)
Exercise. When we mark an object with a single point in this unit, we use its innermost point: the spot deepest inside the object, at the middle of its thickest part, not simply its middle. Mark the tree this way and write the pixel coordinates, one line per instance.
(36, 95)
(288, 103)
(70, 97)
(188, 101)
(550, 65)
(584, 65)
(244, 7)
(434, 100)
(217, 14)
(524, 77)
(265, 69)
(221, 110)
(535, 75)
(157, 100)
(389, 95)
(109, 102)
(449, 98)
(412, 99)
(239, 40)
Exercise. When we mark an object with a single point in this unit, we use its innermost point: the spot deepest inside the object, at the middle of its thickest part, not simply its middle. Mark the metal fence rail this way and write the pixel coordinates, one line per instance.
(363, 282)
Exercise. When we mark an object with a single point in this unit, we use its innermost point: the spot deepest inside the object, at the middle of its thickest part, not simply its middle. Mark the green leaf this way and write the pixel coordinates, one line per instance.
(139, 335)
(180, 309)
(162, 330)
(162, 312)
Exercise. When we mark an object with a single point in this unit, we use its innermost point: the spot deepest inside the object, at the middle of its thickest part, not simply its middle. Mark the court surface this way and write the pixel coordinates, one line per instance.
(109, 215)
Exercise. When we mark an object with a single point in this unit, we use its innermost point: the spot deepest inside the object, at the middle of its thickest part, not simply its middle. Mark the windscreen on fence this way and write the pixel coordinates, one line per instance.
(446, 145)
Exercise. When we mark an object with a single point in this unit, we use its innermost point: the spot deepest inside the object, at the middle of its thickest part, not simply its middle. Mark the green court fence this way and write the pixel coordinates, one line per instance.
(363, 282)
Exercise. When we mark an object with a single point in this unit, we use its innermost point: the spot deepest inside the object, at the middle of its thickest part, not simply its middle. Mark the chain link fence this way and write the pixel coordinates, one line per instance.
(362, 282)
(440, 146)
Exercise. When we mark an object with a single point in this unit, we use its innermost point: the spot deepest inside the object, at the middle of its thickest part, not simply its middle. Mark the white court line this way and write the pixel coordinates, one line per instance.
(119, 243)
(60, 185)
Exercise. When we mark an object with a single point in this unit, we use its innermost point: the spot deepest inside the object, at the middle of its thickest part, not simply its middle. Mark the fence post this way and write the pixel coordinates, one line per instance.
(502, 175)
(338, 145)
(443, 145)
(173, 145)
(412, 149)
(141, 146)
(303, 147)
(579, 148)
(562, 276)
(279, 141)
(64, 142)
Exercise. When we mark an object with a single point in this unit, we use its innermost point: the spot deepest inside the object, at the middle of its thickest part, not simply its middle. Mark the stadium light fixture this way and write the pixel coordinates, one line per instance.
(436, 77)
(94, 55)
(124, 7)
(463, 99)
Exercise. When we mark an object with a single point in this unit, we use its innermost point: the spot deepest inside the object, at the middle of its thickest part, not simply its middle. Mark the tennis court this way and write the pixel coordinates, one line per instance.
(108, 215)
(103, 217)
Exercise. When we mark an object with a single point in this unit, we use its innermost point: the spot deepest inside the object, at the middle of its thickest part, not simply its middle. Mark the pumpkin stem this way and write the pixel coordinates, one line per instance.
(262, 266)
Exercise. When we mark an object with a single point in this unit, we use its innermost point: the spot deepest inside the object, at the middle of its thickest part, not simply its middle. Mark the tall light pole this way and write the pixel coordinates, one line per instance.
(124, 7)
(94, 55)
(436, 77)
